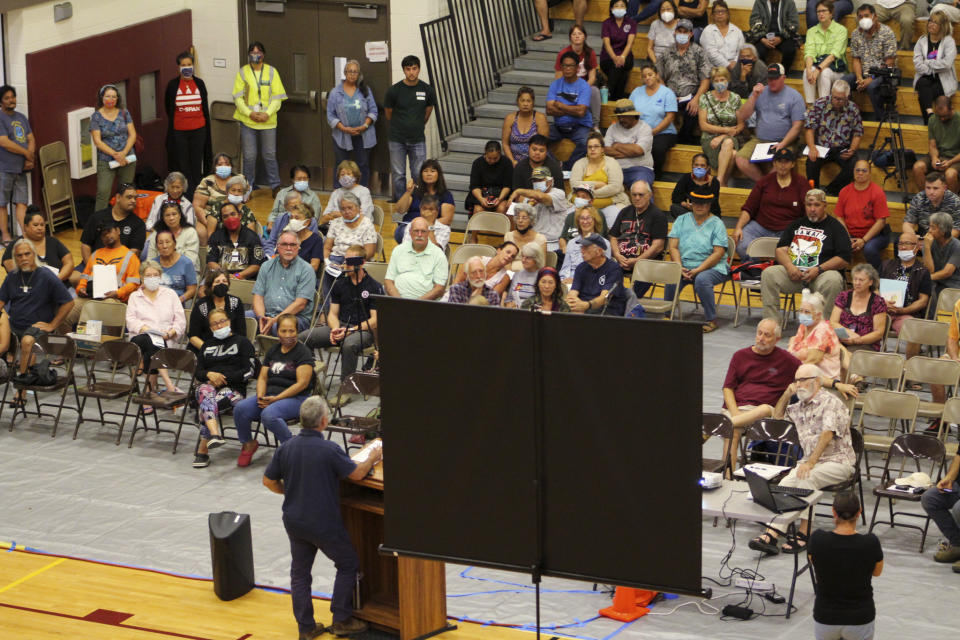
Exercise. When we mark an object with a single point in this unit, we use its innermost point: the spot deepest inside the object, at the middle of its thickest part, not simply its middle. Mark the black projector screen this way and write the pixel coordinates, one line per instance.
(485, 405)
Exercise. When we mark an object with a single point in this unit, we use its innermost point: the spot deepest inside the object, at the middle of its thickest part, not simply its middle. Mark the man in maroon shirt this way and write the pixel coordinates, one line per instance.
(775, 201)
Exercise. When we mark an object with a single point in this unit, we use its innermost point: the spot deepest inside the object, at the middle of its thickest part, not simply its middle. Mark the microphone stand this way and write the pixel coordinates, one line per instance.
(606, 302)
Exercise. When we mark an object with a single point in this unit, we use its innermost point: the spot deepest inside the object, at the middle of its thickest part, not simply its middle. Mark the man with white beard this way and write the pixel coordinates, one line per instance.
(474, 285)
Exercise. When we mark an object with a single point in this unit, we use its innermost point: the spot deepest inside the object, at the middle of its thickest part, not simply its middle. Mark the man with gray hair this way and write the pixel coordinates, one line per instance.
(285, 284)
(941, 255)
(748, 72)
(811, 253)
(306, 470)
(833, 123)
(823, 426)
(475, 284)
(291, 200)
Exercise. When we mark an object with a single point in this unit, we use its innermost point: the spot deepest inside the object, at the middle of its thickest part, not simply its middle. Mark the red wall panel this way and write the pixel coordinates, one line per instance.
(68, 76)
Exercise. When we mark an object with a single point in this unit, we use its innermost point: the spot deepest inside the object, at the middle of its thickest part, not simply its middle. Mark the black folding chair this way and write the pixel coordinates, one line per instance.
(181, 361)
(855, 479)
(116, 356)
(718, 425)
(781, 432)
(56, 346)
(363, 384)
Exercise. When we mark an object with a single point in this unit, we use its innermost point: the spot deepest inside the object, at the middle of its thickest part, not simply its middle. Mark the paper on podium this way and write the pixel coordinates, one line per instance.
(762, 152)
(104, 279)
(364, 454)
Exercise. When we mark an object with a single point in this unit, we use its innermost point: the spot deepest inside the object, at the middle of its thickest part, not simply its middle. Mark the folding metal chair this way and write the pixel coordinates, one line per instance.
(929, 333)
(180, 360)
(112, 315)
(657, 272)
(363, 384)
(376, 270)
(243, 289)
(116, 355)
(782, 432)
(718, 425)
(855, 479)
(883, 368)
(5, 378)
(932, 371)
(946, 302)
(759, 249)
(57, 185)
(896, 407)
(487, 223)
(58, 347)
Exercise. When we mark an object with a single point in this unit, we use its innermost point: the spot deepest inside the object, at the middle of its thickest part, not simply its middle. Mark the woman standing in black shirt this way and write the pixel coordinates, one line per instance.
(844, 562)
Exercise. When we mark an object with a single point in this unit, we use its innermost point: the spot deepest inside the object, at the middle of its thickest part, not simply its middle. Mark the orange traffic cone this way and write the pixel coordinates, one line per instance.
(629, 604)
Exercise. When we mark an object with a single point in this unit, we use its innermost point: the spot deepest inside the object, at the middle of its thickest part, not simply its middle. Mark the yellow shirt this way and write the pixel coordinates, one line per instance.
(599, 176)
(258, 91)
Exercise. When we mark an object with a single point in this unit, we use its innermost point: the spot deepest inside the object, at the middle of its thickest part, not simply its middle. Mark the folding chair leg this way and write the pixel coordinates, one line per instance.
(923, 538)
(123, 419)
(56, 421)
(873, 518)
(83, 404)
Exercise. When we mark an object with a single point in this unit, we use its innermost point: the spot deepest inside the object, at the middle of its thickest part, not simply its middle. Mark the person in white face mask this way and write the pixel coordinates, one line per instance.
(155, 319)
(237, 191)
(293, 202)
(872, 45)
(348, 179)
(299, 184)
(815, 341)
(823, 426)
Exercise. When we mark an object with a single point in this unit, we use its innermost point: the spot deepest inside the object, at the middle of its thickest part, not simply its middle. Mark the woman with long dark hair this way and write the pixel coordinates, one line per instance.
(430, 182)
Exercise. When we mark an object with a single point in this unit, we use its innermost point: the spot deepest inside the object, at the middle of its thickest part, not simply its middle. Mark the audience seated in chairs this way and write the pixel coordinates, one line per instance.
(823, 425)
(861, 311)
(549, 204)
(833, 121)
(351, 228)
(638, 233)
(811, 253)
(525, 218)
(50, 251)
(934, 57)
(699, 177)
(235, 248)
(685, 68)
(905, 267)
(495, 268)
(474, 283)
(348, 177)
(211, 193)
(430, 182)
(774, 203)
(516, 143)
(721, 132)
(523, 284)
(941, 254)
(657, 105)
(174, 220)
(597, 286)
(286, 285)
(943, 130)
(291, 202)
(35, 302)
(629, 140)
(430, 211)
(604, 175)
(154, 319)
(300, 184)
(780, 113)
(133, 234)
(934, 197)
(225, 364)
(588, 221)
(870, 48)
(352, 319)
(698, 241)
(174, 187)
(217, 287)
(417, 269)
(302, 223)
(491, 179)
(568, 102)
(113, 253)
(815, 341)
(550, 295)
(178, 270)
(862, 209)
(285, 380)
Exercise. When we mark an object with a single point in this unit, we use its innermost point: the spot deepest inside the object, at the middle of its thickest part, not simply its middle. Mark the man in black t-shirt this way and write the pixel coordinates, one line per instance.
(538, 157)
(353, 316)
(133, 231)
(638, 233)
(811, 254)
(408, 105)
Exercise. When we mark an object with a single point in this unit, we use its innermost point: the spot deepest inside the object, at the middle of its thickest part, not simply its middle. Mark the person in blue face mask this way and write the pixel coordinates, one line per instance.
(189, 150)
(299, 183)
(212, 191)
(699, 176)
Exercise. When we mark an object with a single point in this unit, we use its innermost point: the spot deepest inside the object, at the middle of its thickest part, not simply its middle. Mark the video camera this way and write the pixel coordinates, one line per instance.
(889, 78)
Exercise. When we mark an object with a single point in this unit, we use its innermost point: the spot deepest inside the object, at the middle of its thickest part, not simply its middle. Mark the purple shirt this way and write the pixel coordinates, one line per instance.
(618, 35)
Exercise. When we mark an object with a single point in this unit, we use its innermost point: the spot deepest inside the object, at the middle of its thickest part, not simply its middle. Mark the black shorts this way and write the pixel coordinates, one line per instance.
(29, 331)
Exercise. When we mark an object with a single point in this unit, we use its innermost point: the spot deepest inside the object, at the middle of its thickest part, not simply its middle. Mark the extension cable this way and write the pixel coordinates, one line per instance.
(755, 585)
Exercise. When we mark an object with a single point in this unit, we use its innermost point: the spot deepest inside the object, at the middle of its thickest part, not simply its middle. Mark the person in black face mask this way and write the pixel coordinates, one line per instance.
(215, 288)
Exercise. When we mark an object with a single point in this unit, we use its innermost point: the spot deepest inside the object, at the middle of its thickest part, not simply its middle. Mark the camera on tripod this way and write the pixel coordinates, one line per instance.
(889, 78)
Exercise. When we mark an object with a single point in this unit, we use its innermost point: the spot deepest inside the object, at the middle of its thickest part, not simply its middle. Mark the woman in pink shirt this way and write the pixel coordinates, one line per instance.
(816, 342)
(154, 317)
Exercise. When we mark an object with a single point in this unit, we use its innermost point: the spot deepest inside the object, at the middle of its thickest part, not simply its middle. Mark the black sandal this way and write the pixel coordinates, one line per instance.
(765, 543)
(540, 37)
(798, 545)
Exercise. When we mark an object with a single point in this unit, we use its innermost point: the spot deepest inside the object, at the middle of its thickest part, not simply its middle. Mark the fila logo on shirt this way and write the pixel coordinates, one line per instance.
(220, 351)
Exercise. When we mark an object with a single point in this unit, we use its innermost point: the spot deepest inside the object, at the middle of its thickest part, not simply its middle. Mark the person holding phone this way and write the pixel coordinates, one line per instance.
(940, 501)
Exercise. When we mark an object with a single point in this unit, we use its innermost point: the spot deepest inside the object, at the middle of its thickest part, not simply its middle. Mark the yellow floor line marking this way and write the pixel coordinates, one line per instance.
(32, 574)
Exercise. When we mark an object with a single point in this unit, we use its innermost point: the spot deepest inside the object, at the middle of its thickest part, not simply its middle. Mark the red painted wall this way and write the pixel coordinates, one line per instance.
(67, 77)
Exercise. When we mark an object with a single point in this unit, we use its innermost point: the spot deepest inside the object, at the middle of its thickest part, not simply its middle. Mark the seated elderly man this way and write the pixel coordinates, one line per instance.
(685, 69)
(549, 203)
(811, 253)
(943, 131)
(474, 285)
(352, 318)
(285, 285)
(417, 269)
(941, 254)
(872, 47)
(35, 300)
(932, 199)
(291, 201)
(833, 122)
(823, 425)
(597, 286)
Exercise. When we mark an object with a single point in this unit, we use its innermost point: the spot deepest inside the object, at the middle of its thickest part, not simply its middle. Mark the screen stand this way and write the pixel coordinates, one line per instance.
(536, 584)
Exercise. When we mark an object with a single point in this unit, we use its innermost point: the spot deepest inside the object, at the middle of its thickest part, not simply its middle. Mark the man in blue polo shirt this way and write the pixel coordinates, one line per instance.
(597, 282)
(307, 470)
(285, 284)
(568, 101)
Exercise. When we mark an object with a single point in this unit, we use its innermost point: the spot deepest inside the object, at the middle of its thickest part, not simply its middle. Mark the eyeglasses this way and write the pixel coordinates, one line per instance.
(419, 232)
(124, 186)
(286, 244)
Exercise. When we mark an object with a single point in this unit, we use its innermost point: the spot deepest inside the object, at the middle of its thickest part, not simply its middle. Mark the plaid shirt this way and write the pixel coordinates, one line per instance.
(832, 128)
(823, 412)
(461, 293)
(873, 50)
(683, 73)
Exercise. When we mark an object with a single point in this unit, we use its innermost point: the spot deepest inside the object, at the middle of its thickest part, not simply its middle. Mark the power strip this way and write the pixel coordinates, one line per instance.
(755, 585)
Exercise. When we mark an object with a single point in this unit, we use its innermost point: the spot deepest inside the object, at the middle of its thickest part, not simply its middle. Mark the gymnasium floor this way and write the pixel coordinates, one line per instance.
(145, 508)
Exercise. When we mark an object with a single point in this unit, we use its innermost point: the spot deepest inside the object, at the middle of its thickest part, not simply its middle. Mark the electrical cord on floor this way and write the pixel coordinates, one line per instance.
(747, 574)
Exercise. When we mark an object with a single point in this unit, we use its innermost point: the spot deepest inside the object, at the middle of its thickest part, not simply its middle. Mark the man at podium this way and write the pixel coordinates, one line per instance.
(307, 470)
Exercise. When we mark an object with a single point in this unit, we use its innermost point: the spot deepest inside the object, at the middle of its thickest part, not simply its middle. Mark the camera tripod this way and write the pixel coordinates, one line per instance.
(890, 118)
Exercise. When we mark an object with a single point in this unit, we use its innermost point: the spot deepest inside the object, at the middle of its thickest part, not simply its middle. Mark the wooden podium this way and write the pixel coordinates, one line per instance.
(404, 595)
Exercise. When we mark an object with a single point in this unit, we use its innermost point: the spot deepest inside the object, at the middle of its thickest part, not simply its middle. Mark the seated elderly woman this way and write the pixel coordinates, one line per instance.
(816, 342)
(495, 267)
(224, 366)
(348, 177)
(722, 133)
(523, 284)
(525, 219)
(300, 184)
(292, 202)
(50, 251)
(430, 211)
(351, 228)
(174, 186)
(284, 382)
(217, 286)
(859, 315)
(550, 295)
(302, 222)
(236, 188)
(186, 237)
(604, 175)
(154, 318)
(748, 72)
(588, 220)
(178, 271)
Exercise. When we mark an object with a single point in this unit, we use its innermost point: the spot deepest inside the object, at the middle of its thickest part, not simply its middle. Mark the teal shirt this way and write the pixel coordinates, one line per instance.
(832, 42)
(697, 241)
(414, 274)
(280, 286)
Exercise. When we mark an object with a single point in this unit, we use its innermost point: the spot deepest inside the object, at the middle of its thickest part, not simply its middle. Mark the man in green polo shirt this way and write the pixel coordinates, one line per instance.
(418, 269)
(944, 133)
(408, 105)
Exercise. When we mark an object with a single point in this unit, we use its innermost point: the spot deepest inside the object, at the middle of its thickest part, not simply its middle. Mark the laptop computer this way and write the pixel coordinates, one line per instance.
(762, 495)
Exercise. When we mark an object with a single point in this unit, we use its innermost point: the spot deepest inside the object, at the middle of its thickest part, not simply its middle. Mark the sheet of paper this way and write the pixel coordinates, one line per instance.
(512, 209)
(376, 51)
(823, 151)
(92, 328)
(762, 153)
(157, 341)
(104, 279)
(364, 453)
(893, 291)
(841, 332)
(765, 471)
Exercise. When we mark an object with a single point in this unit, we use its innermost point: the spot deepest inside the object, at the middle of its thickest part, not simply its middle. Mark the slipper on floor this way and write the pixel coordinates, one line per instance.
(540, 37)
(710, 327)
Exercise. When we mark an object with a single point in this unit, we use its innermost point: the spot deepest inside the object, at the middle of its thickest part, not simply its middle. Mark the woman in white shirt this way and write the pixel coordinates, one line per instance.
(722, 41)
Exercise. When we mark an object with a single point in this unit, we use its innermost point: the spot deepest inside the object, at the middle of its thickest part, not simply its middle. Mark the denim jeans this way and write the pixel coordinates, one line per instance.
(359, 155)
(303, 551)
(874, 248)
(703, 284)
(751, 231)
(263, 141)
(940, 507)
(274, 417)
(350, 349)
(633, 9)
(578, 136)
(399, 153)
(632, 174)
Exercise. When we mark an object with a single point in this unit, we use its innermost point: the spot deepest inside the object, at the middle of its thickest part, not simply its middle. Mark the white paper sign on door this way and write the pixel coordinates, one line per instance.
(376, 51)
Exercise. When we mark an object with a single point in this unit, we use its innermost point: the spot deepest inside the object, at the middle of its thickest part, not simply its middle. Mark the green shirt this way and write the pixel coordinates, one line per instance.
(832, 42)
(409, 105)
(414, 274)
(947, 135)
